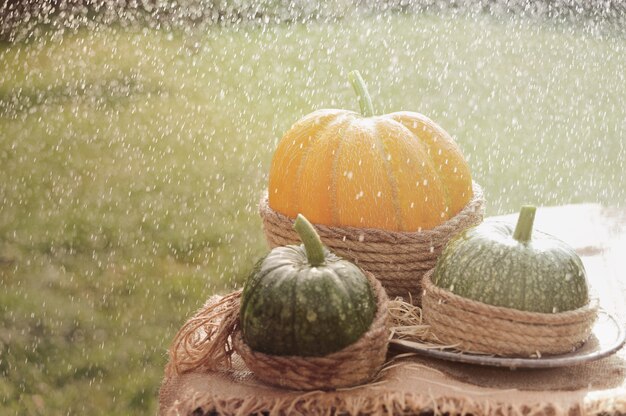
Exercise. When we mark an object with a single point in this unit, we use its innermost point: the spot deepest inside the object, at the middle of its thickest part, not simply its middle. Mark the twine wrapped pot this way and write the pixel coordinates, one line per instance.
(397, 259)
(355, 364)
(208, 340)
(477, 327)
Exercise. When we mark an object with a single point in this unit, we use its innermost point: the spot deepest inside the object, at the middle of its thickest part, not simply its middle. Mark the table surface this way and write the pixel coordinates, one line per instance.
(598, 234)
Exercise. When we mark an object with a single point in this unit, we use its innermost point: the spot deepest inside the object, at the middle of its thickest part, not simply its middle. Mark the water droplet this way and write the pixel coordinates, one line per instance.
(311, 316)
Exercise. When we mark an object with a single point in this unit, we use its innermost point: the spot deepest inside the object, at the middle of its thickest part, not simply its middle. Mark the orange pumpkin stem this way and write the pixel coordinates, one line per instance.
(365, 101)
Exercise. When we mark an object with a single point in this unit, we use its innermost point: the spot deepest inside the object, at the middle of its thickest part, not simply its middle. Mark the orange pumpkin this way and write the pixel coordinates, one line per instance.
(398, 171)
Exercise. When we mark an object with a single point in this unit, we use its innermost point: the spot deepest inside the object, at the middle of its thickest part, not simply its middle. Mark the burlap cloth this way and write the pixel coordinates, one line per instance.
(413, 385)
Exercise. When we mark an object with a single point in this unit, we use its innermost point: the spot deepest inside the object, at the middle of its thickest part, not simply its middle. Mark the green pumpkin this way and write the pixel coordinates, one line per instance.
(304, 300)
(514, 268)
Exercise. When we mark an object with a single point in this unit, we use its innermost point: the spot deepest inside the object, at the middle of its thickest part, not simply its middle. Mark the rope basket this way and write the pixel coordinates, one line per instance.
(397, 259)
(355, 364)
(209, 339)
(477, 327)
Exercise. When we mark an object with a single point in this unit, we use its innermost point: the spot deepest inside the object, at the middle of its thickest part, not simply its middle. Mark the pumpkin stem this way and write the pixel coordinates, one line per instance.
(311, 240)
(524, 227)
(365, 101)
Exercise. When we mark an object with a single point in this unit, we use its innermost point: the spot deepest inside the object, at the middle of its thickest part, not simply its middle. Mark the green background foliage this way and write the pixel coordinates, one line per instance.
(132, 161)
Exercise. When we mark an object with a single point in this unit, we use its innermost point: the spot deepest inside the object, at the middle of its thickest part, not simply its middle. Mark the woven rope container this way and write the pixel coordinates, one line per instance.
(355, 364)
(477, 327)
(397, 259)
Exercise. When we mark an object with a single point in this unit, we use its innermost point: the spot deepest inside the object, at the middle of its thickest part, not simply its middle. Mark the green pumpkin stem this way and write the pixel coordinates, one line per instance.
(524, 227)
(311, 240)
(365, 101)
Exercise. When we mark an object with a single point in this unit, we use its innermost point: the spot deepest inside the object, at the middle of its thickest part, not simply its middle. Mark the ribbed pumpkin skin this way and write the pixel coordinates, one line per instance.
(486, 264)
(291, 308)
(399, 172)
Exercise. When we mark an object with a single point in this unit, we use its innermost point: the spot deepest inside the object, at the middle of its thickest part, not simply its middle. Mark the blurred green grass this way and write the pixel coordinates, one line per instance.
(132, 162)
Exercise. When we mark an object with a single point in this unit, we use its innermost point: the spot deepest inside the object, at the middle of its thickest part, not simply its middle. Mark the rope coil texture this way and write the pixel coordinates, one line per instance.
(398, 259)
(477, 327)
(355, 364)
(207, 341)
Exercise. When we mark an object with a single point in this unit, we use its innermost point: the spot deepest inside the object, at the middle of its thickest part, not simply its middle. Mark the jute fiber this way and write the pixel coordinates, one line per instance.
(410, 386)
(209, 339)
(478, 327)
(204, 342)
(355, 364)
(414, 385)
(397, 259)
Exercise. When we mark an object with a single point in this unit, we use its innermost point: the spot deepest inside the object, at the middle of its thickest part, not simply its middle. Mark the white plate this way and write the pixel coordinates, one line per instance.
(607, 337)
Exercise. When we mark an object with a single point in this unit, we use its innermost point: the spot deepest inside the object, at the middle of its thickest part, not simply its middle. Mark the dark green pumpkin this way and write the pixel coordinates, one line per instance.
(515, 268)
(304, 300)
